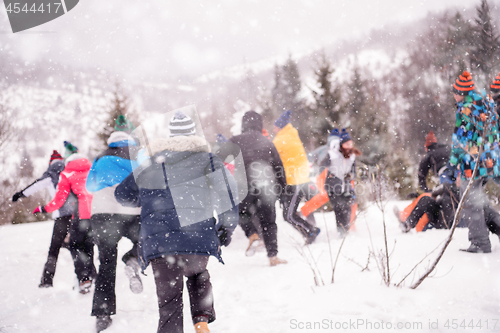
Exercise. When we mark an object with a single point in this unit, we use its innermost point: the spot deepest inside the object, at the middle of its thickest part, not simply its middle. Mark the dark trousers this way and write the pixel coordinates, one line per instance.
(429, 206)
(340, 196)
(107, 230)
(291, 200)
(59, 233)
(265, 211)
(82, 249)
(169, 273)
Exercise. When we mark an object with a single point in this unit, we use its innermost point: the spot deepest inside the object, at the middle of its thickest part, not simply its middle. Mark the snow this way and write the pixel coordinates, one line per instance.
(251, 296)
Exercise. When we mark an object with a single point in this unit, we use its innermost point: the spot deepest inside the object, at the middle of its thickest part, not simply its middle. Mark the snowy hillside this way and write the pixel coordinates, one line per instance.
(252, 297)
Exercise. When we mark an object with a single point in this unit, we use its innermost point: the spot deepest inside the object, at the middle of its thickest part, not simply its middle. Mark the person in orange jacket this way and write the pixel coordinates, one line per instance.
(296, 165)
(72, 180)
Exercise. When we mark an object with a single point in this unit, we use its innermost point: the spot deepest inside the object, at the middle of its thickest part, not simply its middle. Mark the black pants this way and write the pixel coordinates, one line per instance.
(82, 249)
(169, 273)
(340, 197)
(59, 233)
(265, 211)
(429, 206)
(292, 196)
(107, 230)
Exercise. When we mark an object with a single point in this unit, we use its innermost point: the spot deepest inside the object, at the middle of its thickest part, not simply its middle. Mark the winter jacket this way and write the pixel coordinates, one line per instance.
(73, 179)
(293, 155)
(262, 161)
(341, 168)
(108, 170)
(436, 158)
(178, 190)
(49, 180)
(476, 122)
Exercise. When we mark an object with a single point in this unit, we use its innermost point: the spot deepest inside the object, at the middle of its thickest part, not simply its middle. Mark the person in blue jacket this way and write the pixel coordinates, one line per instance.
(178, 189)
(111, 221)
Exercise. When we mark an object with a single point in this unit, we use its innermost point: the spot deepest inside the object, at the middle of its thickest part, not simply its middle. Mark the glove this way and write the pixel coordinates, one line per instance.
(224, 236)
(447, 176)
(39, 209)
(18, 195)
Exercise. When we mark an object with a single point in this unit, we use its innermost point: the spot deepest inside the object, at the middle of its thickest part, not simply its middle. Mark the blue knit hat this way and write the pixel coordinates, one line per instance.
(284, 119)
(220, 138)
(335, 132)
(344, 136)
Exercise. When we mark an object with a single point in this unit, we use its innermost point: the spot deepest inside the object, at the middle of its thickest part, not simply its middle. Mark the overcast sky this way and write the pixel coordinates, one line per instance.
(166, 38)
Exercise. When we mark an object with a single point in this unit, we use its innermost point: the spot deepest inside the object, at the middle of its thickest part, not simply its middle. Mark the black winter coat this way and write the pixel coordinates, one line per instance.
(436, 158)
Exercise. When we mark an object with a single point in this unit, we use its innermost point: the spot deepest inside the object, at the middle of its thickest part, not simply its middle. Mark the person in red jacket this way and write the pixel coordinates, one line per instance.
(73, 180)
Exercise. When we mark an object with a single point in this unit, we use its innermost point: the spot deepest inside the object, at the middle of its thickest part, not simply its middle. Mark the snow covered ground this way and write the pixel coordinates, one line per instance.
(252, 297)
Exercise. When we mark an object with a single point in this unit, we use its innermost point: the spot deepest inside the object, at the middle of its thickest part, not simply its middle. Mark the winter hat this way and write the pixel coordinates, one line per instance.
(55, 156)
(252, 121)
(344, 136)
(463, 84)
(284, 119)
(123, 124)
(180, 124)
(220, 138)
(495, 85)
(335, 132)
(430, 139)
(70, 149)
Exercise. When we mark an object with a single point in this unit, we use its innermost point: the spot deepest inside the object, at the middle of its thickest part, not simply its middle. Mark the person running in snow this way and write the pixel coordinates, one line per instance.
(476, 130)
(435, 159)
(266, 180)
(62, 217)
(178, 189)
(299, 185)
(111, 221)
(72, 180)
(340, 162)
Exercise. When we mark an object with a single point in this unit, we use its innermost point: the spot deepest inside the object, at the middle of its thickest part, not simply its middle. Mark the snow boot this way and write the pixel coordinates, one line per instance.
(274, 261)
(85, 286)
(48, 273)
(473, 248)
(102, 322)
(311, 236)
(201, 327)
(132, 271)
(253, 243)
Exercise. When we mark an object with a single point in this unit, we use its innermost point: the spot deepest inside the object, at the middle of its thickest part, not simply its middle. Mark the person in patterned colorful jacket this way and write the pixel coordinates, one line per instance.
(475, 140)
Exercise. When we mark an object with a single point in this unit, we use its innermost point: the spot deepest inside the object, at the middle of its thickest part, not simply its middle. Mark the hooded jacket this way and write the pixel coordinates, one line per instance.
(259, 154)
(293, 155)
(178, 190)
(73, 179)
(476, 123)
(49, 180)
(436, 158)
(108, 170)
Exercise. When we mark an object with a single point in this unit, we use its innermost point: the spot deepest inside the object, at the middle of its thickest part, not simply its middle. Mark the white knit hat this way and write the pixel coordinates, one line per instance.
(181, 124)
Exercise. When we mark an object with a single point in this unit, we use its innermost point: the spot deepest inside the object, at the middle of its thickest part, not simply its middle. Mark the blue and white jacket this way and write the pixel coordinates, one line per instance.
(108, 170)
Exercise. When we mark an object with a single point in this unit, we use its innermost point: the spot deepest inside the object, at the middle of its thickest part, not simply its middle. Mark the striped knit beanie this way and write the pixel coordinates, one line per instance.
(180, 124)
(495, 85)
(55, 156)
(463, 84)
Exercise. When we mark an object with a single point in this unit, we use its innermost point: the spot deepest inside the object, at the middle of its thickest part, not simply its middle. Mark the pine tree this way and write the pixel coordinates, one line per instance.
(327, 101)
(484, 56)
(287, 87)
(119, 105)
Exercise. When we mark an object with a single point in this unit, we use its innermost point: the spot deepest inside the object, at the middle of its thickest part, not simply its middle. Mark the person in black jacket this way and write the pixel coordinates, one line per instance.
(435, 159)
(266, 180)
(62, 217)
(178, 190)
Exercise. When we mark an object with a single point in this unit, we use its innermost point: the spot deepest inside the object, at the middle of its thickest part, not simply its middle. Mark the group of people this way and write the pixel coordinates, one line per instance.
(163, 195)
(475, 148)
